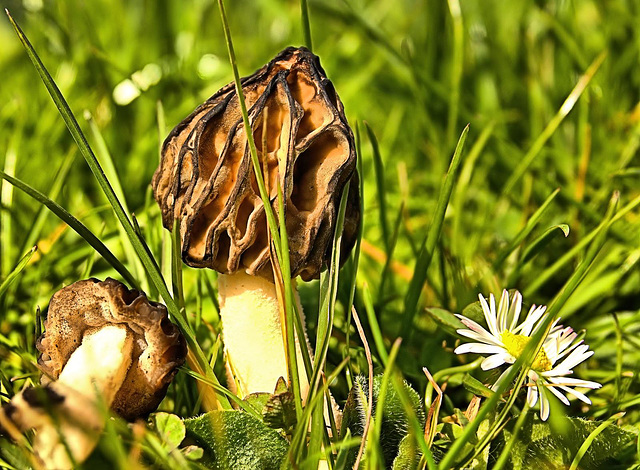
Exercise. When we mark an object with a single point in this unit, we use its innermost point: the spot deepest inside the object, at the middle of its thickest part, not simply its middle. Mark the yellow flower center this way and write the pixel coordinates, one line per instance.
(515, 344)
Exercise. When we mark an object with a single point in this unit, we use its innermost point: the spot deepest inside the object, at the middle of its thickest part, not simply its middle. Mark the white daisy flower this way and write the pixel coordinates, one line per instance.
(507, 338)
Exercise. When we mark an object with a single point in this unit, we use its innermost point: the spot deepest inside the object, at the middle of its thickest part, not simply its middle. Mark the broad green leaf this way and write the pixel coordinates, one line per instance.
(408, 457)
(236, 440)
(445, 319)
(476, 387)
(541, 447)
(170, 428)
(395, 423)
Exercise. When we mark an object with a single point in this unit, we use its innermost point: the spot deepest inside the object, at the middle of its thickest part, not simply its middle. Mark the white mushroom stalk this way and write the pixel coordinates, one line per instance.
(255, 344)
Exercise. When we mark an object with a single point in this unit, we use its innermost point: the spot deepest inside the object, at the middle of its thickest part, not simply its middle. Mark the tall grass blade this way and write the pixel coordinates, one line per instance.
(6, 222)
(54, 191)
(431, 240)
(381, 189)
(526, 230)
(553, 124)
(306, 24)
(13, 275)
(76, 225)
(106, 162)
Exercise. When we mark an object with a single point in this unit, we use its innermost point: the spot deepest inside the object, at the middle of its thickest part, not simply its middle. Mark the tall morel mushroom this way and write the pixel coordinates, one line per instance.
(206, 181)
(103, 345)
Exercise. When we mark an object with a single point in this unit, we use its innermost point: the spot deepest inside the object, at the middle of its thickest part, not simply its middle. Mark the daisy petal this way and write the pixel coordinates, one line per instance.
(560, 396)
(478, 349)
(544, 404)
(580, 396)
(532, 395)
(482, 338)
(496, 360)
(514, 311)
(503, 310)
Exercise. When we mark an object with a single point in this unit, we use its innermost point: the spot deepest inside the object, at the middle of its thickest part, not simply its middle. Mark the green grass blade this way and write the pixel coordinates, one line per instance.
(290, 311)
(355, 257)
(381, 189)
(524, 233)
(542, 241)
(548, 273)
(13, 275)
(374, 325)
(553, 124)
(176, 266)
(76, 225)
(54, 191)
(456, 69)
(106, 162)
(306, 25)
(6, 223)
(255, 161)
(464, 180)
(431, 240)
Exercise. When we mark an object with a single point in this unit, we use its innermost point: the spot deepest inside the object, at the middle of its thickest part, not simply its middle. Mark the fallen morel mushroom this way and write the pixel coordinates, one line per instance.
(206, 181)
(103, 345)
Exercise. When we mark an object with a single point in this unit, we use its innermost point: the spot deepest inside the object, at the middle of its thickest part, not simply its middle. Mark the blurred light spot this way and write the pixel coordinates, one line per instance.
(184, 43)
(33, 5)
(65, 75)
(208, 66)
(147, 77)
(350, 44)
(125, 92)
(280, 29)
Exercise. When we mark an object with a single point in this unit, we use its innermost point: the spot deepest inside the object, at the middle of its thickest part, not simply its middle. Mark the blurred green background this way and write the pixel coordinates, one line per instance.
(417, 73)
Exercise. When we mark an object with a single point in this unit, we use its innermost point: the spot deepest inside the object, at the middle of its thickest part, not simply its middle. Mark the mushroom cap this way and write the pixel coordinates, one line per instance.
(206, 179)
(86, 306)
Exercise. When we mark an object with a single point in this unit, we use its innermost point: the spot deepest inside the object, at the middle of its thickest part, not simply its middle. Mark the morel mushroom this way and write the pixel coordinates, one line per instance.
(103, 345)
(206, 181)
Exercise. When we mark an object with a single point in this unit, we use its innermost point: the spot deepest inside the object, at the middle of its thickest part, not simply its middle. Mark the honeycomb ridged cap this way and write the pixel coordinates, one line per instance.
(206, 181)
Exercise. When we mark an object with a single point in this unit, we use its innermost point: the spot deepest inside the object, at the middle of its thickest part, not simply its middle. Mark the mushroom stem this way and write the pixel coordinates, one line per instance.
(89, 381)
(253, 334)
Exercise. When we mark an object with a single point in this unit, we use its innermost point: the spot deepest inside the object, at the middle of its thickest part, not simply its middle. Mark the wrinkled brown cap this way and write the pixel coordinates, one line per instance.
(206, 179)
(86, 306)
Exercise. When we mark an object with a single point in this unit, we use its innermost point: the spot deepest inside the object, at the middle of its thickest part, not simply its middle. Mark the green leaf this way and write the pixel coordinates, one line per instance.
(430, 241)
(170, 428)
(234, 439)
(541, 446)
(445, 319)
(395, 423)
(476, 387)
(192, 452)
(280, 412)
(408, 457)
